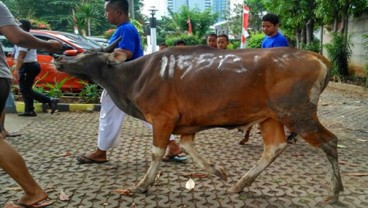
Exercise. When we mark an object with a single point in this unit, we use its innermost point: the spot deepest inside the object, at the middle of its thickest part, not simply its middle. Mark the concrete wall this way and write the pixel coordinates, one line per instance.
(357, 28)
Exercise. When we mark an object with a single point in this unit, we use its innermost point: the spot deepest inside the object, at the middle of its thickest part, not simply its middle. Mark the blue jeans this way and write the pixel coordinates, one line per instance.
(27, 75)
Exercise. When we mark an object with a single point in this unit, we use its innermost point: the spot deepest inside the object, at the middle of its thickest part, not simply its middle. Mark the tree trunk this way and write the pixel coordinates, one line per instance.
(297, 38)
(89, 26)
(309, 31)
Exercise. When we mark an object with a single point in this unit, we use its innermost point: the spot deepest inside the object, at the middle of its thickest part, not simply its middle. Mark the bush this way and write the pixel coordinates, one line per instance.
(315, 46)
(339, 53)
(188, 39)
(255, 40)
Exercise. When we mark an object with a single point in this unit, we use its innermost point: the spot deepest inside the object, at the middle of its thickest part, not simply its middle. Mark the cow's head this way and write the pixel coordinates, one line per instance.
(89, 64)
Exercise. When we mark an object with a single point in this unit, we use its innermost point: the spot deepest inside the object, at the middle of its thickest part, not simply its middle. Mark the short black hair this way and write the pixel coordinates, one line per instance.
(273, 18)
(179, 42)
(223, 36)
(123, 5)
(25, 25)
(211, 35)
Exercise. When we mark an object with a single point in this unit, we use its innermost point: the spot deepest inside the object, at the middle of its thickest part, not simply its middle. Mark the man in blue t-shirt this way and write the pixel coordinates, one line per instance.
(111, 117)
(270, 27)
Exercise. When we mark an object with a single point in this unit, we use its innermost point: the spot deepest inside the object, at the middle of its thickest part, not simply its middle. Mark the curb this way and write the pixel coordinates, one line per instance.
(61, 107)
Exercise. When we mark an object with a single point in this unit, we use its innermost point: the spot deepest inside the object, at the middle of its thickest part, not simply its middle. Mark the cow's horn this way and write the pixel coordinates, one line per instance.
(112, 46)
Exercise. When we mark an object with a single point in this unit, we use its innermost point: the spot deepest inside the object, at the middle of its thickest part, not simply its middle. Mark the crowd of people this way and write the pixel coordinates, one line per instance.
(111, 117)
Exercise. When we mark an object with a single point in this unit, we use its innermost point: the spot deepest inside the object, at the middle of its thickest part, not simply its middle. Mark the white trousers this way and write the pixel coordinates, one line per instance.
(111, 120)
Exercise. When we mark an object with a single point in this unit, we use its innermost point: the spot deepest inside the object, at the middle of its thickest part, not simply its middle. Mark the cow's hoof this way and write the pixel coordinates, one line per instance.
(234, 189)
(243, 141)
(221, 172)
(331, 199)
(137, 189)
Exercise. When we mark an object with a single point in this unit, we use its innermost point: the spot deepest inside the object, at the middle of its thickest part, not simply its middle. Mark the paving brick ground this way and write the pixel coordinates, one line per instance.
(298, 178)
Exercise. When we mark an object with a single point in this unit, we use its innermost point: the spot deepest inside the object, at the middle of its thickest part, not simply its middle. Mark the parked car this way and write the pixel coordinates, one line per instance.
(48, 72)
(101, 41)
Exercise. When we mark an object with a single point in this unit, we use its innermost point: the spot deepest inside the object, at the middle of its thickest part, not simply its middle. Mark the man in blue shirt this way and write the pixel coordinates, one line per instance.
(270, 27)
(111, 117)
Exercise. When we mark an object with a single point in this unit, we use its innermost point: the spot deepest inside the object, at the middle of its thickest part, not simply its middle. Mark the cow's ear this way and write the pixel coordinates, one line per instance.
(116, 57)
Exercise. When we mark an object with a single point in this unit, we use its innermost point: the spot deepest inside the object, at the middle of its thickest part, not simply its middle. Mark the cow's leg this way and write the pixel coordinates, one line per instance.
(186, 143)
(246, 136)
(319, 136)
(161, 136)
(274, 143)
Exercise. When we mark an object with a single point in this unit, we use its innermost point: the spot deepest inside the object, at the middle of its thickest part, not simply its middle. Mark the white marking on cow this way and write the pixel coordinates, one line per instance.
(256, 59)
(172, 66)
(163, 66)
(187, 63)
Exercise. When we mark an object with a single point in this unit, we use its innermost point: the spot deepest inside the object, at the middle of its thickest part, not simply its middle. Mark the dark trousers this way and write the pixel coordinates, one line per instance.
(4, 93)
(27, 75)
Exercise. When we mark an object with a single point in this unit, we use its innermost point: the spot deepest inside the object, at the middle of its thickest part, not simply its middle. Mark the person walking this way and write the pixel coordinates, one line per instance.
(270, 27)
(10, 160)
(111, 117)
(27, 68)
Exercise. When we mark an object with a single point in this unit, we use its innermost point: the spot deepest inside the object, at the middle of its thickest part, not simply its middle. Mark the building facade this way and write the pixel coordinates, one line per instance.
(220, 7)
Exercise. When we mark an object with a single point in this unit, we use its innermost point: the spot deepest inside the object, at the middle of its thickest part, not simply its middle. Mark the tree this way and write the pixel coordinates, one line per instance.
(337, 12)
(177, 23)
(298, 21)
(256, 11)
(85, 15)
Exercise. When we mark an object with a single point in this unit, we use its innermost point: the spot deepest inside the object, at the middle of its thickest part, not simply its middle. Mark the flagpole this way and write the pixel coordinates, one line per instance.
(245, 33)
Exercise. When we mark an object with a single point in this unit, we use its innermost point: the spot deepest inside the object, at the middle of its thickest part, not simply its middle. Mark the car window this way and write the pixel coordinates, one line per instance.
(82, 41)
(65, 45)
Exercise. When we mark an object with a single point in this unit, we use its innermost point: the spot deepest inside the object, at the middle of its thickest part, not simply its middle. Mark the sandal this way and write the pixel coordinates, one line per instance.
(40, 204)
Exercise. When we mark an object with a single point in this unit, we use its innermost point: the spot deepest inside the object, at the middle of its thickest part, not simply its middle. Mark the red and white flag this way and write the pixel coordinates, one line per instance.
(189, 26)
(245, 33)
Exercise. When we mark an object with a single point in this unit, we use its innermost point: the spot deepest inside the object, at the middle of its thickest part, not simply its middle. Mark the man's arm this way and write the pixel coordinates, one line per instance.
(18, 37)
(128, 53)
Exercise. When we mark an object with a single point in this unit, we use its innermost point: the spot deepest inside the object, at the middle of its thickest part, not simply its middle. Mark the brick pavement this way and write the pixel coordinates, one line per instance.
(298, 178)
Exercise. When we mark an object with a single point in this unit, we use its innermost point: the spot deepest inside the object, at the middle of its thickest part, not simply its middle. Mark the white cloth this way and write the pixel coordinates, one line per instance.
(31, 54)
(111, 120)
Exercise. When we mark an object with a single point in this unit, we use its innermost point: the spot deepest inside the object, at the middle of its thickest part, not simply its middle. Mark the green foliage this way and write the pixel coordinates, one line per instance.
(315, 46)
(176, 24)
(90, 93)
(40, 89)
(256, 11)
(188, 39)
(255, 40)
(339, 53)
(86, 17)
(55, 90)
(235, 44)
(58, 13)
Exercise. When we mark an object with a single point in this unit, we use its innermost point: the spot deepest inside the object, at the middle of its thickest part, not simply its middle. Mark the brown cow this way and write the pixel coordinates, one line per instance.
(187, 90)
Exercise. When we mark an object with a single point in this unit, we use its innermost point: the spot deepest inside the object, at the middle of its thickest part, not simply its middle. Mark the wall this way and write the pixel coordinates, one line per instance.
(357, 28)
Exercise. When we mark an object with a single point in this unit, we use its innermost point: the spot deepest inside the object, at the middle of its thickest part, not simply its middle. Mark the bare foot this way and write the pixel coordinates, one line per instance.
(33, 198)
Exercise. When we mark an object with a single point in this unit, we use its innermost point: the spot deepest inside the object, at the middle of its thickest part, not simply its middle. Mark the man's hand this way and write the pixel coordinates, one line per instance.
(55, 46)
